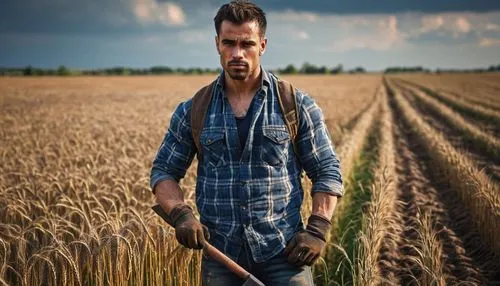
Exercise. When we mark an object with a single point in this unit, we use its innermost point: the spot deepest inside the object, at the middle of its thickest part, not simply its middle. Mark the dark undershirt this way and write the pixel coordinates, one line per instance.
(243, 124)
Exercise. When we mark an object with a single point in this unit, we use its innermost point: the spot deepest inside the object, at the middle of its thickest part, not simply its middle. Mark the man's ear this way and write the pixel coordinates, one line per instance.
(263, 46)
(217, 43)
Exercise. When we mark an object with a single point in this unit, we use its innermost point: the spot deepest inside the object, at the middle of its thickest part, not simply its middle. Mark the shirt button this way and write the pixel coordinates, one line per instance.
(243, 207)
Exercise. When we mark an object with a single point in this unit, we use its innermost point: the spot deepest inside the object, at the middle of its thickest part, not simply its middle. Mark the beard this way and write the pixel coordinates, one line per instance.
(237, 70)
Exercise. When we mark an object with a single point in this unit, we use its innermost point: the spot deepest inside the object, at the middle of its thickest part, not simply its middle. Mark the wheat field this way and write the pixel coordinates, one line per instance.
(420, 157)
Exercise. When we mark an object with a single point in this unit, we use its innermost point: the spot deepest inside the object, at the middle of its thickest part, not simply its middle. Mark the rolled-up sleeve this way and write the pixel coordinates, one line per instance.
(177, 149)
(316, 150)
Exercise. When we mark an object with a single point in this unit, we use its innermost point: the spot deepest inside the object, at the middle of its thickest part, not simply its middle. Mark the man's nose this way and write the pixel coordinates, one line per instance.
(237, 53)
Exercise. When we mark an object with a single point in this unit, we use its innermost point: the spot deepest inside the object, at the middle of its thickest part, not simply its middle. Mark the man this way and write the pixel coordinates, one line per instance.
(248, 190)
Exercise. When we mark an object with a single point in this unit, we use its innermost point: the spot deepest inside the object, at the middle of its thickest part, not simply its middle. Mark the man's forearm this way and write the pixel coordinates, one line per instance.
(324, 204)
(168, 194)
(306, 246)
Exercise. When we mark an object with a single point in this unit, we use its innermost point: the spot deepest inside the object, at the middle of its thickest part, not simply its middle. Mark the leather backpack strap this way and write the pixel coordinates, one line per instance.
(288, 104)
(199, 107)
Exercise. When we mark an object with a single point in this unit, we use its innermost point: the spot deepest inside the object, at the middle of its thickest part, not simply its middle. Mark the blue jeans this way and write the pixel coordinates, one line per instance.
(276, 271)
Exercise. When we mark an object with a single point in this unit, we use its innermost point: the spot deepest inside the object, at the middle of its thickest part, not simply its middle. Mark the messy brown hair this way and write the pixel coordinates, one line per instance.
(239, 12)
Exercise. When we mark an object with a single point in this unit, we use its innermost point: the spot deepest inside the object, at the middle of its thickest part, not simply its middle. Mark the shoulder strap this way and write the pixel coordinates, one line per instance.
(288, 104)
(200, 102)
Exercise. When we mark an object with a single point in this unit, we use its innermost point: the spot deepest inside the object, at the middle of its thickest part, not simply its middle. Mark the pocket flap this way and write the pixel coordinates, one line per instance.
(277, 134)
(209, 137)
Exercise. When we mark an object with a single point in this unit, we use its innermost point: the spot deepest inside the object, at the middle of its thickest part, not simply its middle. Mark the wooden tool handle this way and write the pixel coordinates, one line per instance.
(222, 258)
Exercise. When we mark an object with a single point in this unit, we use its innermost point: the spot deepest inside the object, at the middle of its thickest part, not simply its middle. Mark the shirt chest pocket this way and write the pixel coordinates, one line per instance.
(214, 147)
(275, 144)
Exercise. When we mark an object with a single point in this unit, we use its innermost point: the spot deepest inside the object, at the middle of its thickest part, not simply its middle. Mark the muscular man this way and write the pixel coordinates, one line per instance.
(248, 188)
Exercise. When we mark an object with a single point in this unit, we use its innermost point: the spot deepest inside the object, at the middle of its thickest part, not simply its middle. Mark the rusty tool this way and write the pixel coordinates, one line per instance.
(213, 252)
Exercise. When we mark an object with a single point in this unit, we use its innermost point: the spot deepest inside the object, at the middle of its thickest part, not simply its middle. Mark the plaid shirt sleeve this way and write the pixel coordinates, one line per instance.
(316, 151)
(177, 150)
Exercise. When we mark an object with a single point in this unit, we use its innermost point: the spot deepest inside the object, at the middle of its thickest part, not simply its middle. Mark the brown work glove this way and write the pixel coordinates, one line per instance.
(188, 230)
(306, 246)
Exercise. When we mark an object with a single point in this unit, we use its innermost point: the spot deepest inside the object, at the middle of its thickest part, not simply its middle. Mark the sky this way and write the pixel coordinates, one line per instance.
(87, 34)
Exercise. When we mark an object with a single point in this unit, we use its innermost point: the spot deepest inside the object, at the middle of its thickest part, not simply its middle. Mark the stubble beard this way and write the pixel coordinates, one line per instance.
(240, 74)
(237, 76)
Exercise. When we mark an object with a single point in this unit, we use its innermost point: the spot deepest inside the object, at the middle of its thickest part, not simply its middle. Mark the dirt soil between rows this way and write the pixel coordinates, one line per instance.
(422, 189)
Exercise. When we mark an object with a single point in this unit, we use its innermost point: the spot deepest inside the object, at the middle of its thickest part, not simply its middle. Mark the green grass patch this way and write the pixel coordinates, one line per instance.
(339, 265)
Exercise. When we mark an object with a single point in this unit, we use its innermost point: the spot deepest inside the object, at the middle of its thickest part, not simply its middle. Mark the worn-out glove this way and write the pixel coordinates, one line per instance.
(306, 246)
(188, 230)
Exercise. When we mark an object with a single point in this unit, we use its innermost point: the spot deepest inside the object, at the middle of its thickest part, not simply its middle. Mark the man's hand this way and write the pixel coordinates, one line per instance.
(306, 246)
(188, 230)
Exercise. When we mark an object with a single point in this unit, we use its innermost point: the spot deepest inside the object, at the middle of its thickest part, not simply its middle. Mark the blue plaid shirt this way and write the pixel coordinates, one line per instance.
(254, 194)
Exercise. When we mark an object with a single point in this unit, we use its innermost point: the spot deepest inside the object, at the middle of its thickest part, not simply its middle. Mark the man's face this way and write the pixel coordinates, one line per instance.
(240, 48)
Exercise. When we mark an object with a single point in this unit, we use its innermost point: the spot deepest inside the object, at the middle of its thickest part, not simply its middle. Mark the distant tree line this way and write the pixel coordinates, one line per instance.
(306, 68)
(420, 69)
(406, 70)
(491, 68)
(156, 70)
(64, 71)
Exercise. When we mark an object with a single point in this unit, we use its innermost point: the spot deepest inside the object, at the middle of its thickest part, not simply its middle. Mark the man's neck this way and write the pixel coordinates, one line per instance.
(243, 88)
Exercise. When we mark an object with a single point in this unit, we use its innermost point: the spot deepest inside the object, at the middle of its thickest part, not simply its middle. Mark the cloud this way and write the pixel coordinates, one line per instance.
(462, 24)
(297, 35)
(379, 7)
(302, 35)
(431, 23)
(391, 26)
(196, 36)
(336, 33)
(453, 24)
(492, 27)
(165, 13)
(489, 42)
(153, 39)
(294, 16)
(343, 33)
(373, 33)
(448, 28)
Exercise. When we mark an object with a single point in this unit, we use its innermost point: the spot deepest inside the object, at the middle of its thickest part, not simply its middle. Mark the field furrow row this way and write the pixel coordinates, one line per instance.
(476, 190)
(348, 153)
(485, 118)
(484, 148)
(433, 245)
(470, 88)
(379, 222)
